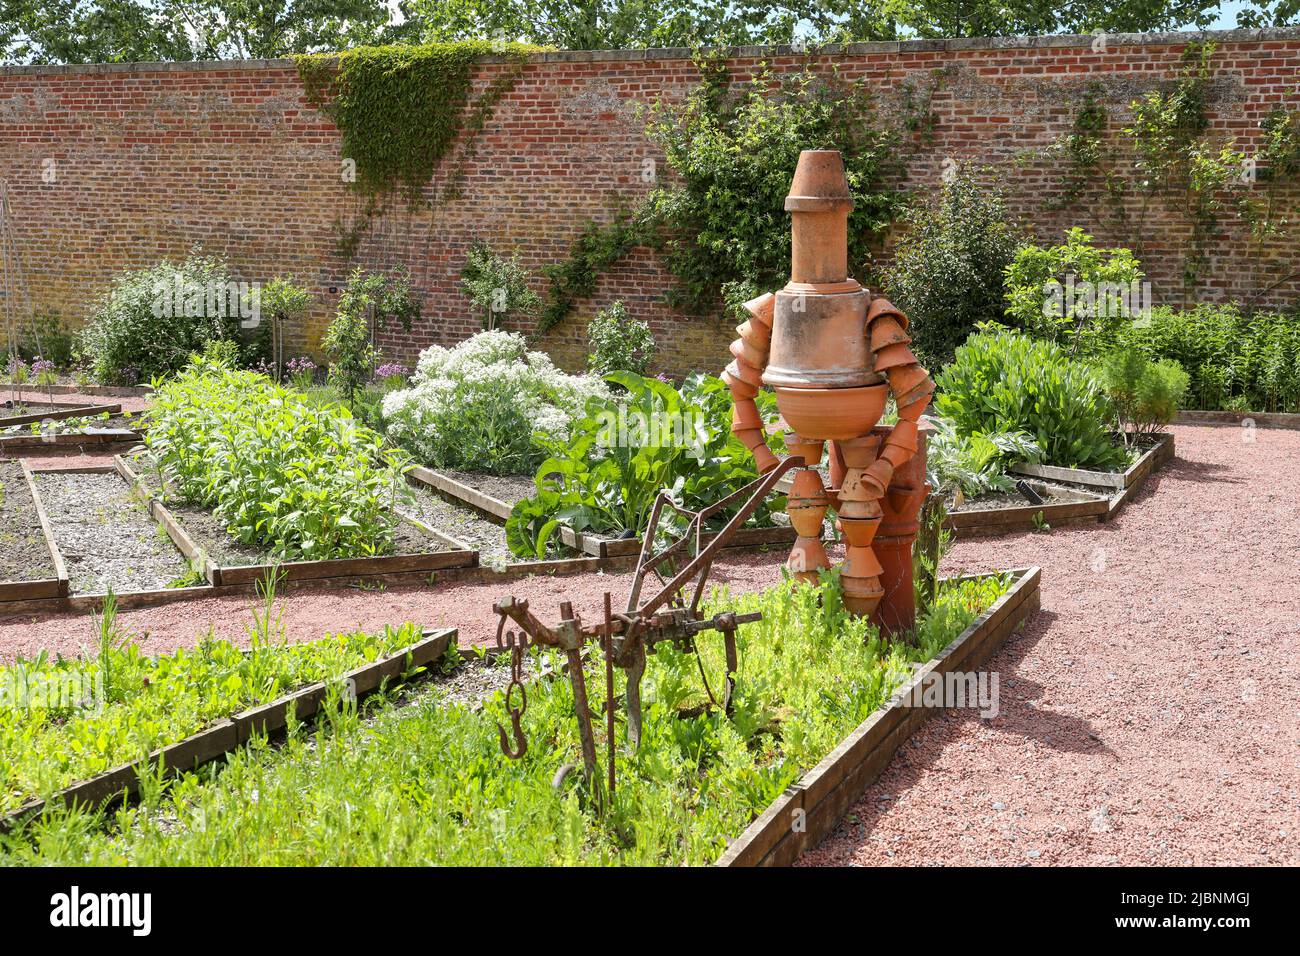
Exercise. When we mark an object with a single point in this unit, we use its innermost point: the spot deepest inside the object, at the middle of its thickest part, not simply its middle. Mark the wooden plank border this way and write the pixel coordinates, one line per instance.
(40, 588)
(64, 410)
(1259, 419)
(229, 734)
(187, 546)
(994, 521)
(1136, 473)
(811, 808)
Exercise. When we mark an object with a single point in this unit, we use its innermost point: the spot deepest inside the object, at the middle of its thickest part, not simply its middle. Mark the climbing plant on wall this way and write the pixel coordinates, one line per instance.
(718, 221)
(1171, 158)
(400, 110)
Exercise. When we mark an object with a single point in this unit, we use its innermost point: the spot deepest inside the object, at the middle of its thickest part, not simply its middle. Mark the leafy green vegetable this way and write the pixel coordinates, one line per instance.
(605, 476)
(305, 481)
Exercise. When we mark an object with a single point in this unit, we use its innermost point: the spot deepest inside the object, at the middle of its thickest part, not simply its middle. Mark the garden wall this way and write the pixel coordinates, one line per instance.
(113, 166)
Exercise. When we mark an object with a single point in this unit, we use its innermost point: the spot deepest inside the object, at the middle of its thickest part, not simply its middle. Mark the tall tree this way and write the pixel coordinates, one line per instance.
(98, 31)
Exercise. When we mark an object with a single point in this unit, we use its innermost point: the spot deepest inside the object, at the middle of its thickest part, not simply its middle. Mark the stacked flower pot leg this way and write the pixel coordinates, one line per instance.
(807, 504)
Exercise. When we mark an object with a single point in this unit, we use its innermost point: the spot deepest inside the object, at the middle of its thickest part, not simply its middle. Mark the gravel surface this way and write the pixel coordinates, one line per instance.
(24, 555)
(1051, 494)
(107, 538)
(462, 523)
(511, 489)
(1148, 713)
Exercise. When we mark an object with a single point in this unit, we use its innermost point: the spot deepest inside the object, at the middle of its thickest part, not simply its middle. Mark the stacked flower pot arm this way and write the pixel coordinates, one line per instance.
(744, 376)
(833, 355)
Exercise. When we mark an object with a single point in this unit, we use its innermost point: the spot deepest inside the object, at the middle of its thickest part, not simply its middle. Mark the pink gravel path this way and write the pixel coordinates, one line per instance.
(1149, 711)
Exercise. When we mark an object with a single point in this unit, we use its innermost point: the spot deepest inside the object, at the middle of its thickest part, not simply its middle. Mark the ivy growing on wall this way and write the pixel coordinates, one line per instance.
(400, 109)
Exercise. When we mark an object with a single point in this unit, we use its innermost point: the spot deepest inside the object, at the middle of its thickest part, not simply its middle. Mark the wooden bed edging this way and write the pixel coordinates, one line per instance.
(233, 732)
(993, 521)
(39, 589)
(1259, 419)
(62, 410)
(810, 809)
(1136, 473)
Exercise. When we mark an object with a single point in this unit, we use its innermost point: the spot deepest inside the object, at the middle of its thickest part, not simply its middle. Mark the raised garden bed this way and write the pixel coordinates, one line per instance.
(811, 808)
(30, 564)
(1259, 419)
(224, 736)
(1156, 454)
(26, 413)
(486, 500)
(225, 561)
(105, 535)
(1004, 513)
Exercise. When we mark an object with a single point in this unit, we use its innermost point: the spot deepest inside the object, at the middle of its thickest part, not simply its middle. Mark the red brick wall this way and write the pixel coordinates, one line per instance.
(151, 159)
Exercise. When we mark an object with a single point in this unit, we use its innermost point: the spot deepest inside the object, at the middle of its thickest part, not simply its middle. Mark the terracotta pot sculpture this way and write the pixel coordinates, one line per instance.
(833, 354)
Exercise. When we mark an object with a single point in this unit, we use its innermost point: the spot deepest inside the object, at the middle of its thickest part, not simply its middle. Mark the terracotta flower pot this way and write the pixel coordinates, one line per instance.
(835, 413)
(807, 557)
(745, 417)
(861, 563)
(749, 353)
(859, 452)
(858, 532)
(808, 449)
(746, 373)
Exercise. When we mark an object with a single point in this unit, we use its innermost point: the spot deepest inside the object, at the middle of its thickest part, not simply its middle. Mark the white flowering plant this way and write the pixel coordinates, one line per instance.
(486, 404)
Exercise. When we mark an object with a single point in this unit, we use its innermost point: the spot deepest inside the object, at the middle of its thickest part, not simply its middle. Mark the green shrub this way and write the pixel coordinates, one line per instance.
(497, 286)
(479, 405)
(618, 343)
(1074, 294)
(605, 476)
(304, 481)
(1232, 361)
(733, 151)
(1144, 394)
(152, 319)
(1003, 381)
(949, 271)
(46, 337)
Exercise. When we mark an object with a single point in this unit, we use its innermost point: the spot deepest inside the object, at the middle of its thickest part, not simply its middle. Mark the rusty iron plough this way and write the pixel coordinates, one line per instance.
(672, 613)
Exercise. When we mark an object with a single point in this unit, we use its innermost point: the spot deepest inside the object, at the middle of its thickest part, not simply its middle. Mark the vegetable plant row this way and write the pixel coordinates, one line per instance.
(63, 721)
(305, 482)
(423, 780)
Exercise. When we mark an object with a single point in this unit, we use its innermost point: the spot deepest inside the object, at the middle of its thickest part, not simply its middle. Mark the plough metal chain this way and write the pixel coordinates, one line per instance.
(517, 644)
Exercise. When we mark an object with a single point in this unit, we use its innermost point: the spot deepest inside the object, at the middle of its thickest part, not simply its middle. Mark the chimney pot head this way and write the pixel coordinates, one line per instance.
(819, 183)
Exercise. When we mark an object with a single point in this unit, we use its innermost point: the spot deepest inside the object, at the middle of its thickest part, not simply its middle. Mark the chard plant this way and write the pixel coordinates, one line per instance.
(604, 477)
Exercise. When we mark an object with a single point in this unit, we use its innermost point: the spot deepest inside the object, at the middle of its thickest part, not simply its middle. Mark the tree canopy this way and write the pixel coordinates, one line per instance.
(93, 31)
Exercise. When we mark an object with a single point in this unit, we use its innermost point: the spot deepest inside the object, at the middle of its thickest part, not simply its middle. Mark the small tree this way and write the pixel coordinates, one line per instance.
(369, 303)
(948, 272)
(619, 343)
(497, 286)
(282, 299)
(1074, 293)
